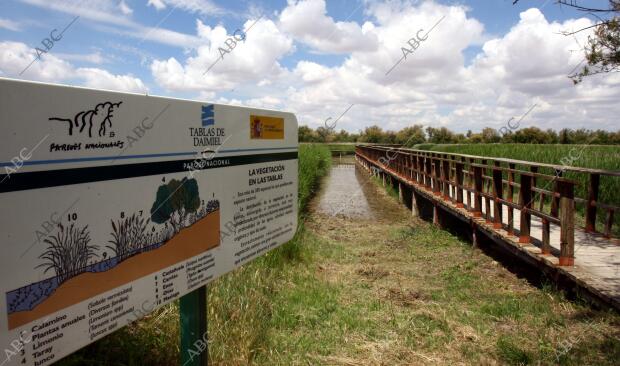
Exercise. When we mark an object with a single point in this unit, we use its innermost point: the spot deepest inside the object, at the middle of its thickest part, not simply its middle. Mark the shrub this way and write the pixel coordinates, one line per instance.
(128, 236)
(68, 252)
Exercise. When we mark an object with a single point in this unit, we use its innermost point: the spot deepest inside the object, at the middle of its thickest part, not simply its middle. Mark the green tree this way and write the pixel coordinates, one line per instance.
(342, 136)
(323, 134)
(531, 135)
(440, 135)
(564, 136)
(174, 201)
(490, 135)
(475, 138)
(410, 136)
(306, 134)
(373, 134)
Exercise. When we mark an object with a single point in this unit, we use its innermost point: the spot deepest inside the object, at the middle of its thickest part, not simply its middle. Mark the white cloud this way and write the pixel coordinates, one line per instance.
(16, 56)
(105, 14)
(413, 90)
(311, 72)
(125, 8)
(205, 7)
(434, 86)
(101, 79)
(248, 61)
(97, 10)
(157, 4)
(93, 58)
(307, 20)
(10, 25)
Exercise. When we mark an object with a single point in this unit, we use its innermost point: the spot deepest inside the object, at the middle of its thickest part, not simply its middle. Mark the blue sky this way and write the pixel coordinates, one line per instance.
(489, 60)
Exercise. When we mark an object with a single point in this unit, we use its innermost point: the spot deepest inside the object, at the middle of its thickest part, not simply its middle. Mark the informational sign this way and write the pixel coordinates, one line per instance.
(114, 204)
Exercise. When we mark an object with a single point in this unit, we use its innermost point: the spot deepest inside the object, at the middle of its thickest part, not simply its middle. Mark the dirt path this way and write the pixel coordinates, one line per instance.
(389, 290)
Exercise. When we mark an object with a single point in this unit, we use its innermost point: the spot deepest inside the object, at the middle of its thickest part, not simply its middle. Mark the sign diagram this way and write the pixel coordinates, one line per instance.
(94, 227)
(190, 227)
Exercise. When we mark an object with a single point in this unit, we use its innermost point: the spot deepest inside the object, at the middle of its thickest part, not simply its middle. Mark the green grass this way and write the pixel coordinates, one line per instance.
(337, 146)
(587, 156)
(314, 163)
(605, 157)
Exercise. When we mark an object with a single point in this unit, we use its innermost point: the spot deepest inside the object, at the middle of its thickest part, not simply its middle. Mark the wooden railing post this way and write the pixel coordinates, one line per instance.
(446, 178)
(608, 223)
(525, 203)
(509, 198)
(546, 244)
(498, 188)
(410, 162)
(437, 176)
(428, 182)
(591, 203)
(459, 184)
(477, 190)
(470, 183)
(421, 168)
(567, 223)
(487, 200)
(555, 201)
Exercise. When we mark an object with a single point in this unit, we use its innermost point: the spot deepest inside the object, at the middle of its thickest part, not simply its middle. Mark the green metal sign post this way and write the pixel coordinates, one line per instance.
(193, 318)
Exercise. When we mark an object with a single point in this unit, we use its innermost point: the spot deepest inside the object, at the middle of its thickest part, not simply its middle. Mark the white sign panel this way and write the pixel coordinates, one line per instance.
(114, 204)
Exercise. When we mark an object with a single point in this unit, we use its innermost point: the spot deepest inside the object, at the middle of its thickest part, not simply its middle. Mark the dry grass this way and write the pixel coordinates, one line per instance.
(419, 295)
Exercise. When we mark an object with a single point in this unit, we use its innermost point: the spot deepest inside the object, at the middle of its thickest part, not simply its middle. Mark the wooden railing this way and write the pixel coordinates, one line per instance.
(472, 181)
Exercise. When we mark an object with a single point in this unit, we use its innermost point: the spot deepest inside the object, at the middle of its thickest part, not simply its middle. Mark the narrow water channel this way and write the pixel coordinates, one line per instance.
(349, 191)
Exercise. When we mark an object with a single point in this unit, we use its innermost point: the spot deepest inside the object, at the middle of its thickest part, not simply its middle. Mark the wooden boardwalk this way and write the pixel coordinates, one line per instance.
(594, 264)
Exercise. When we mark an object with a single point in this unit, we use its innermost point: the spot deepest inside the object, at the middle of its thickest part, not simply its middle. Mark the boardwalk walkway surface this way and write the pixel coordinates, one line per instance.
(596, 257)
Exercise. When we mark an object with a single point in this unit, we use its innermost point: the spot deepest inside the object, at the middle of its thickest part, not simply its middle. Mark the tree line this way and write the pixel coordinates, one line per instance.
(418, 134)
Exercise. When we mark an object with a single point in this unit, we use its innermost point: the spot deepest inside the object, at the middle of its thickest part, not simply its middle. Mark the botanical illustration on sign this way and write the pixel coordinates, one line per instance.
(180, 226)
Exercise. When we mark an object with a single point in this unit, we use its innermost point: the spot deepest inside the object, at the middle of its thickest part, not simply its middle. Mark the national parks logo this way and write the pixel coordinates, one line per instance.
(100, 117)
